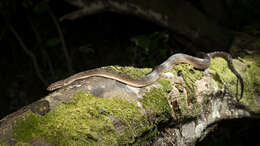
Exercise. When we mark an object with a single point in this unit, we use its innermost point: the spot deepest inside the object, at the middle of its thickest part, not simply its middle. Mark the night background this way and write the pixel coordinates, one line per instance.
(33, 39)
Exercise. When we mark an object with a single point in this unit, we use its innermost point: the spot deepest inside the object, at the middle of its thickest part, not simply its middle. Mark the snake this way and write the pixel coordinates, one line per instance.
(153, 76)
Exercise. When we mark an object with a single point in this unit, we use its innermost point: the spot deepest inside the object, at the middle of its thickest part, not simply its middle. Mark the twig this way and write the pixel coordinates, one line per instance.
(30, 54)
(64, 47)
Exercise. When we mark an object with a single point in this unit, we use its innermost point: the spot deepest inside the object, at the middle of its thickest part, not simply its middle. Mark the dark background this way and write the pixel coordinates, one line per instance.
(95, 41)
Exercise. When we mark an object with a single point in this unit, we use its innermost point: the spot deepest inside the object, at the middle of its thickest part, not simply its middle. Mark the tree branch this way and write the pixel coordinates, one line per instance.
(30, 54)
(64, 47)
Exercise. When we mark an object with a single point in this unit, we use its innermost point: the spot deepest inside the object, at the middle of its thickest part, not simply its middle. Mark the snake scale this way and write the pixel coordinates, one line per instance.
(199, 63)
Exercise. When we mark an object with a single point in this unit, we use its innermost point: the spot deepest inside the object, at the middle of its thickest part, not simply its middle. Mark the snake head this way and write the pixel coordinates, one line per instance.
(55, 85)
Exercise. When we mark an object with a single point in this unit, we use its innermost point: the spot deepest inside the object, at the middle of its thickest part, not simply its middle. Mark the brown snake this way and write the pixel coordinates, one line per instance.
(199, 63)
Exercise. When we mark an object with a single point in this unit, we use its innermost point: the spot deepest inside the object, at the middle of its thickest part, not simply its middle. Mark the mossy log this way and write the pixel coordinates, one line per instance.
(179, 109)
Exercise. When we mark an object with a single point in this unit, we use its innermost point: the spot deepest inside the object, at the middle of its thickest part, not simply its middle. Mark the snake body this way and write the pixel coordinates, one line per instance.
(199, 63)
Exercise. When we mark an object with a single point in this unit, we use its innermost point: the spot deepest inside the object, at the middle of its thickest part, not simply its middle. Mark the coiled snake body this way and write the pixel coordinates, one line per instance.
(200, 63)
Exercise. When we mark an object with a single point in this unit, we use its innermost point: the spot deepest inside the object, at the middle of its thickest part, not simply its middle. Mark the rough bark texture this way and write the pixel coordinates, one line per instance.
(178, 16)
(179, 109)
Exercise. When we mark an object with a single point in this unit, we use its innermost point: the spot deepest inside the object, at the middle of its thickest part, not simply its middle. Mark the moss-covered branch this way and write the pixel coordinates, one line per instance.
(100, 111)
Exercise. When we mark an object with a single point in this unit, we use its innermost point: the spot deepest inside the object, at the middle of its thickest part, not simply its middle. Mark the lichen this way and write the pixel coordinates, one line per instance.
(86, 120)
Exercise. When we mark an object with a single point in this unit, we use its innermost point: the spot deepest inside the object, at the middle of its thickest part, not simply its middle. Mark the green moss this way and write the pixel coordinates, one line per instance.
(252, 80)
(166, 84)
(187, 109)
(156, 105)
(182, 101)
(250, 73)
(3, 143)
(86, 120)
(188, 105)
(130, 71)
(190, 75)
(22, 144)
(196, 108)
(147, 138)
(253, 66)
(224, 76)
